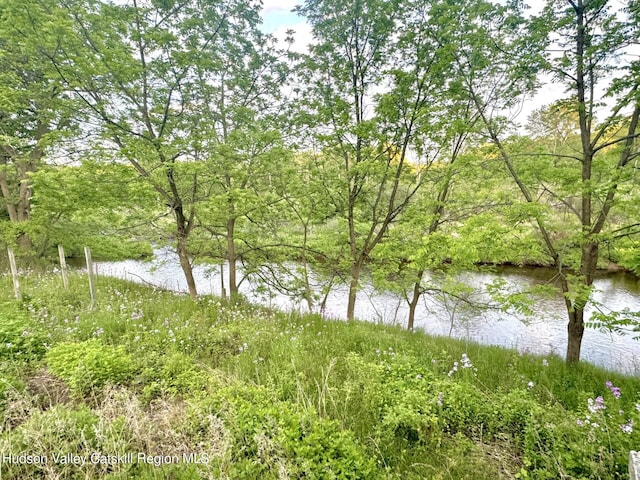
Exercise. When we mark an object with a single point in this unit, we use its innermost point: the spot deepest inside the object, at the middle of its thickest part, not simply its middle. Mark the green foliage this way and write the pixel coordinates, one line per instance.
(556, 445)
(174, 374)
(56, 431)
(87, 366)
(274, 437)
(20, 338)
(278, 393)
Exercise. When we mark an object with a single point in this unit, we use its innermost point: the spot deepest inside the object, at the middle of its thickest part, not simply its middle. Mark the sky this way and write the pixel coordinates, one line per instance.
(277, 14)
(278, 18)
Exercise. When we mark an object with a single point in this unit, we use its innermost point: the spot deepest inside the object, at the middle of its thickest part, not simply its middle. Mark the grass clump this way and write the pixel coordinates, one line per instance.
(20, 338)
(264, 394)
(89, 365)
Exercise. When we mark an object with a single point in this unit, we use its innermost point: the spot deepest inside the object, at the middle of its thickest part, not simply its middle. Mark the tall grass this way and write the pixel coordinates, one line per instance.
(265, 394)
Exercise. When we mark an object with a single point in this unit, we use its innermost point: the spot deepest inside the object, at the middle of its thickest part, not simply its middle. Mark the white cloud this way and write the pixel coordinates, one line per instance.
(302, 36)
(270, 6)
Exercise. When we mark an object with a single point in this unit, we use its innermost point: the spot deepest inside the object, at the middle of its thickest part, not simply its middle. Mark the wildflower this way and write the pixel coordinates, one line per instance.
(466, 363)
(545, 363)
(418, 377)
(596, 405)
(615, 391)
(440, 398)
(530, 385)
(579, 422)
(627, 427)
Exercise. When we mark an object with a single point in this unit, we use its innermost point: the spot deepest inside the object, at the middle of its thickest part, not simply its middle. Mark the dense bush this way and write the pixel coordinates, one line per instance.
(273, 439)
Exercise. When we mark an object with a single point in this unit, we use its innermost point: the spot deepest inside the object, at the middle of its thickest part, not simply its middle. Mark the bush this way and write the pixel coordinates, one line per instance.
(87, 366)
(173, 374)
(275, 440)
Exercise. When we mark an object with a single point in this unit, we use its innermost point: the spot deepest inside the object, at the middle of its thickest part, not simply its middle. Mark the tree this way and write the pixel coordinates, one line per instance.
(35, 110)
(593, 38)
(241, 149)
(244, 188)
(367, 133)
(139, 69)
(500, 64)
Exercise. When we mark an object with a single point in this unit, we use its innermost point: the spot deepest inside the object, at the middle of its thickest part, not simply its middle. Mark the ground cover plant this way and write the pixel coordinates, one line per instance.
(207, 389)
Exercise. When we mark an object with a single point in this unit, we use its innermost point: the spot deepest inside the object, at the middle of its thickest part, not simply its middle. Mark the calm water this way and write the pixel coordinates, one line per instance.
(542, 333)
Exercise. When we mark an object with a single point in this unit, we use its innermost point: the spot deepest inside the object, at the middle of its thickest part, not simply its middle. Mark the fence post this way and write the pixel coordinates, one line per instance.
(14, 273)
(634, 465)
(92, 278)
(63, 267)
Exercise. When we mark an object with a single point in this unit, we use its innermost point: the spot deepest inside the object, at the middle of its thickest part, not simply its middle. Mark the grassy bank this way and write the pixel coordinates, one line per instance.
(153, 385)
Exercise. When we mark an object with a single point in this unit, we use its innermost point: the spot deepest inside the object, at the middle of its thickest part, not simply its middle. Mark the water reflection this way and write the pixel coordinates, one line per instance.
(542, 333)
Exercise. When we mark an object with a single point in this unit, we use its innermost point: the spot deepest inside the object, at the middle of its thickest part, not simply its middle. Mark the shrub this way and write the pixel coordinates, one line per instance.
(88, 366)
(172, 374)
(273, 439)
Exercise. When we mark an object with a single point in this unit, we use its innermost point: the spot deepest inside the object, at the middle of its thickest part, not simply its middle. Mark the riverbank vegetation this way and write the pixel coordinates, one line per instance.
(388, 146)
(254, 393)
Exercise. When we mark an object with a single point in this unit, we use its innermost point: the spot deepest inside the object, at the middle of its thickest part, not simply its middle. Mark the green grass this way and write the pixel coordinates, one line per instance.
(264, 394)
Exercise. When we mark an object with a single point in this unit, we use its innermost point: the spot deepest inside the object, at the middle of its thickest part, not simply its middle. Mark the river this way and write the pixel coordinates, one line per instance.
(543, 333)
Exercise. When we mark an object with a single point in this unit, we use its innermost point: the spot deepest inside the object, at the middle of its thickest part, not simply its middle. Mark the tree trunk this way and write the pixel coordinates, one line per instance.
(182, 230)
(185, 263)
(353, 290)
(17, 199)
(232, 258)
(575, 328)
(412, 306)
(575, 332)
(6, 195)
(413, 303)
(308, 294)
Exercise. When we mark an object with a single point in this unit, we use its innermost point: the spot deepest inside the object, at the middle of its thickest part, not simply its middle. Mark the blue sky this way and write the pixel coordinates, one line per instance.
(278, 18)
(277, 15)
